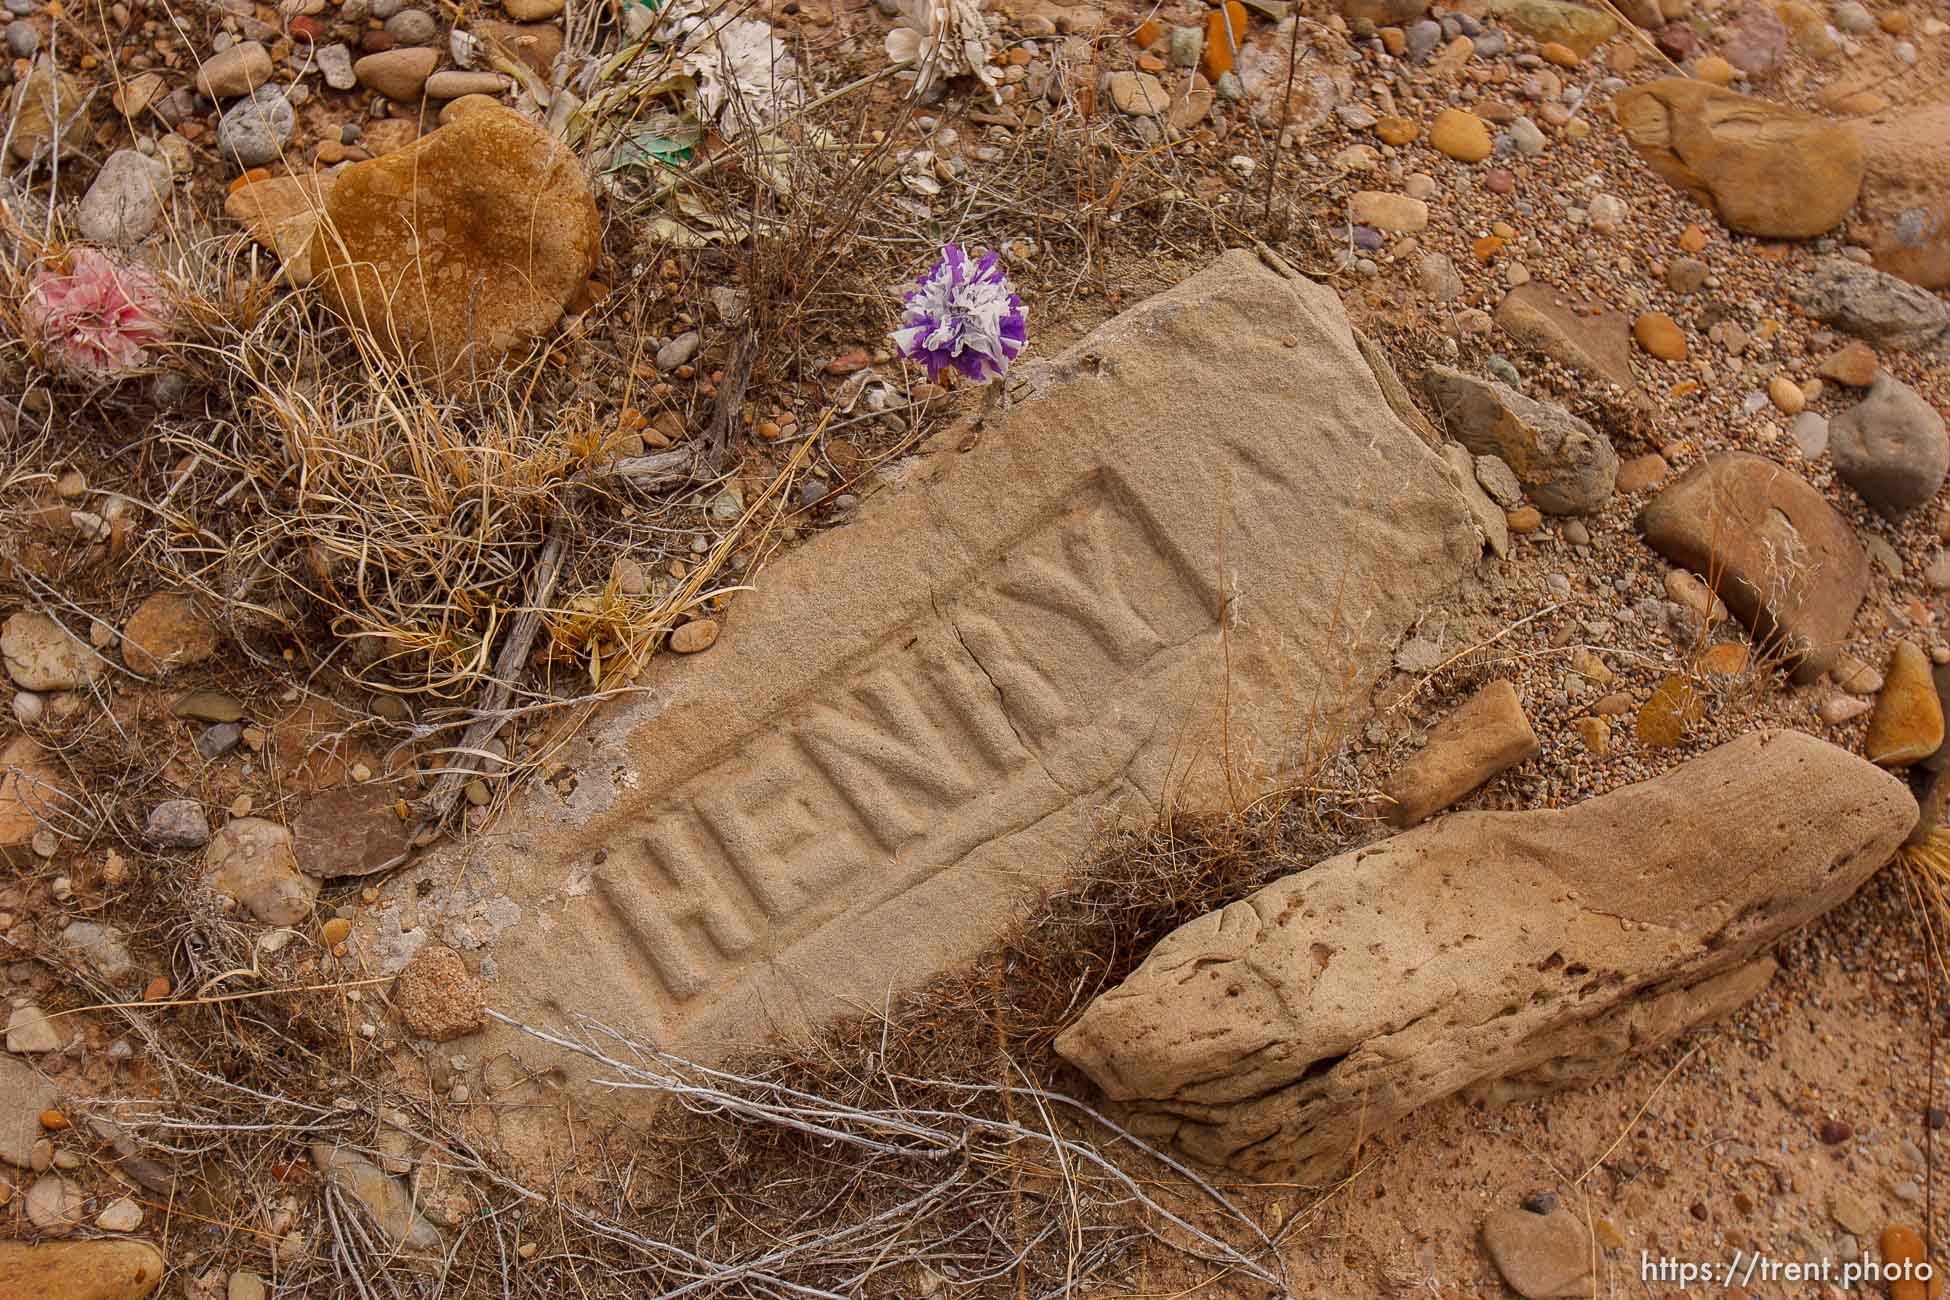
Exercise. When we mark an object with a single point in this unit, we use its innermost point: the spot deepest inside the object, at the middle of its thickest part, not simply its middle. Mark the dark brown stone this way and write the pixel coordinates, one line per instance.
(353, 830)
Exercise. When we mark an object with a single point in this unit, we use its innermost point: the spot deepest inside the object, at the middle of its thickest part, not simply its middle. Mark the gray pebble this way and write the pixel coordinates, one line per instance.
(1187, 44)
(255, 130)
(335, 64)
(23, 38)
(1811, 433)
(22, 8)
(412, 27)
(125, 200)
(679, 350)
(179, 824)
(1423, 37)
(1491, 43)
(1854, 19)
(214, 742)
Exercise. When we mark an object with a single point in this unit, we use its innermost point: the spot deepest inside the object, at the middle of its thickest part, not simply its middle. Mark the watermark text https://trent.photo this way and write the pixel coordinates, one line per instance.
(1745, 1269)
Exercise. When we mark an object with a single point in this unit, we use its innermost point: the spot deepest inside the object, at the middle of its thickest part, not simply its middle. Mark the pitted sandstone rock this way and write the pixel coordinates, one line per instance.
(853, 789)
(1509, 953)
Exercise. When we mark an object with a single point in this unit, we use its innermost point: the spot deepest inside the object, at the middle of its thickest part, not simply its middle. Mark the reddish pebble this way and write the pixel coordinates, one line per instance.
(1834, 1132)
(849, 361)
(1499, 181)
(376, 42)
(307, 31)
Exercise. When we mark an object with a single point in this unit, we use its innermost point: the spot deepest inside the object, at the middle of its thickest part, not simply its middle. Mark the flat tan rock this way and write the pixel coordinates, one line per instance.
(79, 1270)
(1598, 345)
(1488, 734)
(26, 1095)
(1522, 950)
(462, 248)
(1786, 564)
(854, 787)
(1763, 168)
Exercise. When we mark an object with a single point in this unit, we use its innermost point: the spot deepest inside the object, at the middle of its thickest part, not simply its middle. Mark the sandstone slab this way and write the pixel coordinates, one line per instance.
(462, 248)
(250, 861)
(1566, 466)
(1487, 735)
(1764, 169)
(41, 655)
(1505, 953)
(80, 1270)
(1786, 564)
(854, 787)
(1906, 194)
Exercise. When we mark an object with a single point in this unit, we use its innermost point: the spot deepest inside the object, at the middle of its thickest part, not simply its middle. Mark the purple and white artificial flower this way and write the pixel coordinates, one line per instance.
(964, 316)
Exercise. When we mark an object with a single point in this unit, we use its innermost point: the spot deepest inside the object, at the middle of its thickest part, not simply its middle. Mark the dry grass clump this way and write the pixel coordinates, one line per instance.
(937, 1148)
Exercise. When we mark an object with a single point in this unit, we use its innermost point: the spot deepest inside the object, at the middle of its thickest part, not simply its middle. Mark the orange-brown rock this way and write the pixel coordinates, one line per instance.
(282, 214)
(30, 791)
(1854, 364)
(462, 248)
(1660, 335)
(1907, 724)
(1785, 562)
(1225, 32)
(1764, 169)
(119, 1269)
(166, 632)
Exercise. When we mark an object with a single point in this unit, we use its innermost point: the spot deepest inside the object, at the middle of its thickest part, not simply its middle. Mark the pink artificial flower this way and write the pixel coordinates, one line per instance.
(97, 319)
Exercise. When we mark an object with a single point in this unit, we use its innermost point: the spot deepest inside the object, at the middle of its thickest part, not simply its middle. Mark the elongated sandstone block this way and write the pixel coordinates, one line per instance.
(1506, 953)
(918, 718)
